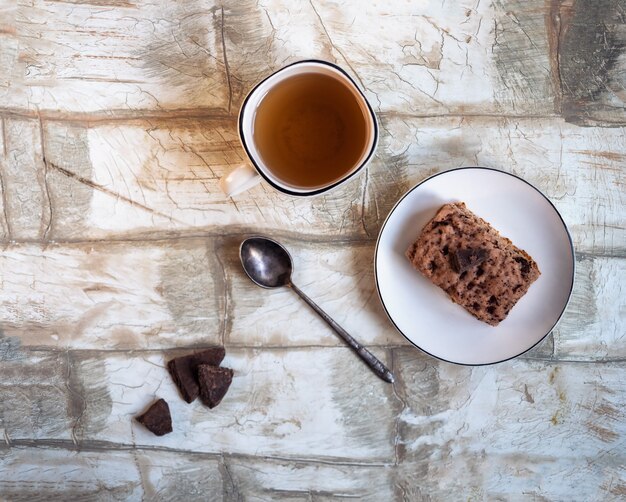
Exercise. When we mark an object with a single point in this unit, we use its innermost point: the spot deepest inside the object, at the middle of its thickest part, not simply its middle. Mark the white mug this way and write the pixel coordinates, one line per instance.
(249, 174)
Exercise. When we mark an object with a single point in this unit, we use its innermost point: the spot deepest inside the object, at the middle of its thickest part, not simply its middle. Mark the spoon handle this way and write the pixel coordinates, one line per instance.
(370, 359)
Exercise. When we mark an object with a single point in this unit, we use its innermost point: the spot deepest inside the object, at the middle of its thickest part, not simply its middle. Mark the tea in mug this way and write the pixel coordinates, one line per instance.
(310, 130)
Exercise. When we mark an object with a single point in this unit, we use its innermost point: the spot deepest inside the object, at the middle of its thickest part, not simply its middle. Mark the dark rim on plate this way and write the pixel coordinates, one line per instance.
(329, 187)
(569, 238)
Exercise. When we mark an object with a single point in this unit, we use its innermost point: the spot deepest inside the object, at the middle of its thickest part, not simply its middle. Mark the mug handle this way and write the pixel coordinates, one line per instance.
(240, 179)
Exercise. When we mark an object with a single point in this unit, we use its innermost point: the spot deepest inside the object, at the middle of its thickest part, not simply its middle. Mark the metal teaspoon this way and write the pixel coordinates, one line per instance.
(269, 265)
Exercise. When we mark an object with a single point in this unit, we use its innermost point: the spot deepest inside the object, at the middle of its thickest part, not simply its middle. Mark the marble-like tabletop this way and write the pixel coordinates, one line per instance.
(119, 252)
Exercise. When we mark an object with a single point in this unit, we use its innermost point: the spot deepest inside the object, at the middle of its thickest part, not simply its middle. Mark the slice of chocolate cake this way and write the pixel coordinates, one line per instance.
(214, 383)
(477, 267)
(157, 418)
(184, 370)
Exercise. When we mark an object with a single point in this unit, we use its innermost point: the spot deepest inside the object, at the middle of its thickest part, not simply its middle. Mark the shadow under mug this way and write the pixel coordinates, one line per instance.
(249, 174)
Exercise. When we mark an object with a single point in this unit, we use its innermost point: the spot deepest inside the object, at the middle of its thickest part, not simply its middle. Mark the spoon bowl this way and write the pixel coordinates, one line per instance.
(267, 263)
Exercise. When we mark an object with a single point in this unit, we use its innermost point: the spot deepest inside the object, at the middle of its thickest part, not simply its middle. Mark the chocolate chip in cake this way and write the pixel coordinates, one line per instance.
(440, 223)
(157, 418)
(184, 370)
(525, 264)
(214, 383)
(464, 259)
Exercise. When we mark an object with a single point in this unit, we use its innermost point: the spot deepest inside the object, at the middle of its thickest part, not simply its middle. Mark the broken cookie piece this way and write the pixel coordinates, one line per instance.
(157, 418)
(184, 370)
(214, 383)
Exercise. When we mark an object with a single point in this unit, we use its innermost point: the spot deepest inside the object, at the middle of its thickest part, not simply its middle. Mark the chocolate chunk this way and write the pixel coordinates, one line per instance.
(157, 418)
(184, 370)
(214, 383)
(525, 264)
(464, 259)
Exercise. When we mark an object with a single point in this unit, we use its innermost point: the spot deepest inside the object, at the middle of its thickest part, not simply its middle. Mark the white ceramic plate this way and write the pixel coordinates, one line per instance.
(425, 315)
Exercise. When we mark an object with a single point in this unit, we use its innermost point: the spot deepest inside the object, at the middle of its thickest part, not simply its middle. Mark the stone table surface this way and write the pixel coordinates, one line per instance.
(118, 252)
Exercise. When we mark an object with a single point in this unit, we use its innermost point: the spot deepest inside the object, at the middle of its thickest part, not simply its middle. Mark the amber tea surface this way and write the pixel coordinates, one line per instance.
(310, 130)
